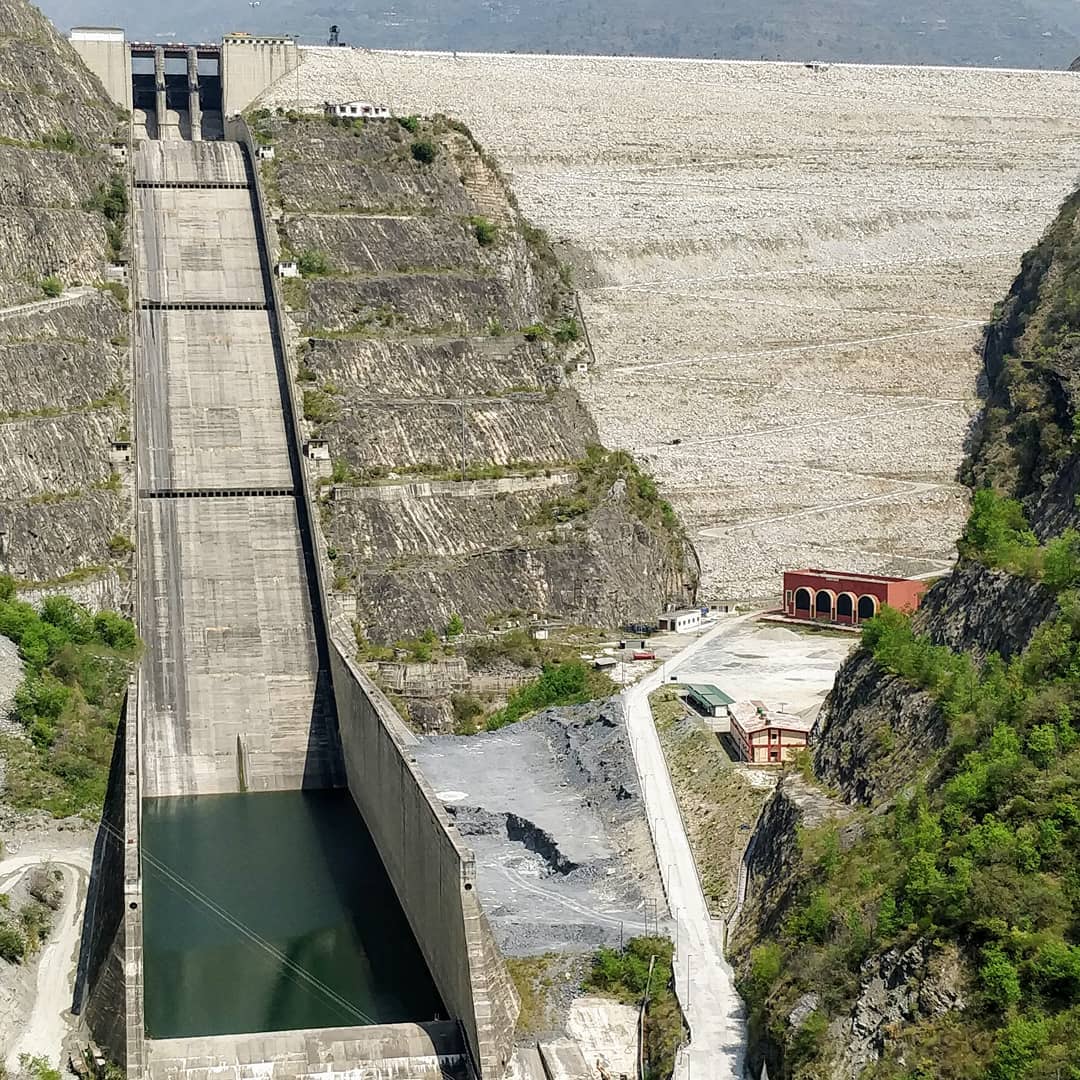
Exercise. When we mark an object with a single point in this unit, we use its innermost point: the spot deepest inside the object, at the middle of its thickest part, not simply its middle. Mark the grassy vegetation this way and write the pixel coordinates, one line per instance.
(718, 803)
(624, 975)
(599, 474)
(52, 286)
(534, 977)
(986, 862)
(999, 535)
(119, 293)
(568, 682)
(320, 407)
(77, 668)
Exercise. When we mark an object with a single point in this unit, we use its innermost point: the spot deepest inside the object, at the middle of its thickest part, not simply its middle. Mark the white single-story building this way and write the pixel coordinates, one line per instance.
(288, 269)
(357, 109)
(680, 621)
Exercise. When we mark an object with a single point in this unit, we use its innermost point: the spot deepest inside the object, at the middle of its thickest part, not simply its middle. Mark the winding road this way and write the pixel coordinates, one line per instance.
(44, 1031)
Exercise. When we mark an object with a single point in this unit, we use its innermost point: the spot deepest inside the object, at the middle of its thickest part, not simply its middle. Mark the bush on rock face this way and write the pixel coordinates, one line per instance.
(423, 151)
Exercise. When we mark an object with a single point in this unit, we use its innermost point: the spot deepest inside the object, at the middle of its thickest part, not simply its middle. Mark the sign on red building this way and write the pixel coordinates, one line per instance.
(846, 598)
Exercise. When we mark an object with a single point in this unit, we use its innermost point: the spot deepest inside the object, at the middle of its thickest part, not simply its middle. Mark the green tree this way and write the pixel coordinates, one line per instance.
(1042, 745)
(999, 978)
(423, 151)
(455, 626)
(52, 286)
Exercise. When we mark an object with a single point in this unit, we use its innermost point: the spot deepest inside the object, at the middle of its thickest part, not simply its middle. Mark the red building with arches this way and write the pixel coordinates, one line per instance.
(846, 598)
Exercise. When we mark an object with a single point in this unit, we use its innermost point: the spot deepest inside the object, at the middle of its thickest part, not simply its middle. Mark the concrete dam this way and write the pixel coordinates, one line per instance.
(282, 893)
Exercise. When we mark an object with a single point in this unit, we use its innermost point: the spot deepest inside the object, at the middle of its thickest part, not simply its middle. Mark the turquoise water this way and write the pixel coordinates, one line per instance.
(272, 912)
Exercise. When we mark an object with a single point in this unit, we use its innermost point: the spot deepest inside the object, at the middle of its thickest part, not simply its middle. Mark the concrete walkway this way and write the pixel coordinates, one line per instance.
(36, 307)
(703, 978)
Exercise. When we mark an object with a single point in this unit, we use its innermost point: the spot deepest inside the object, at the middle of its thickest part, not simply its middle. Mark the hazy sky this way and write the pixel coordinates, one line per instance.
(1028, 33)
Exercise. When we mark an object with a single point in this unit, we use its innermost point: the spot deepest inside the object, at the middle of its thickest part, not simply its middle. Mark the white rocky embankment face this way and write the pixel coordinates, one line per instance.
(785, 270)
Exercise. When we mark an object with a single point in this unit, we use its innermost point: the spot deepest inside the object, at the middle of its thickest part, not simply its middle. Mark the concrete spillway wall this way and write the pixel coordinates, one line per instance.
(108, 985)
(432, 872)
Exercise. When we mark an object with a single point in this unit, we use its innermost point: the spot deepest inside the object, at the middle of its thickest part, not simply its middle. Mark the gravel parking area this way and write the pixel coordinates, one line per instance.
(552, 809)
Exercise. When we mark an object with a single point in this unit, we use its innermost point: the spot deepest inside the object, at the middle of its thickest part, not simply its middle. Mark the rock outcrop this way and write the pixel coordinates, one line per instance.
(436, 344)
(65, 513)
(873, 734)
(886, 747)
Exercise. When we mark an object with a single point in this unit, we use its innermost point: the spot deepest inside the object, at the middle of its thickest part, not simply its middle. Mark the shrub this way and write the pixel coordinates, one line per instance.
(560, 684)
(766, 964)
(1061, 561)
(536, 332)
(423, 151)
(410, 123)
(999, 978)
(12, 943)
(467, 709)
(319, 407)
(52, 286)
(313, 264)
(61, 139)
(115, 631)
(455, 626)
(567, 331)
(486, 232)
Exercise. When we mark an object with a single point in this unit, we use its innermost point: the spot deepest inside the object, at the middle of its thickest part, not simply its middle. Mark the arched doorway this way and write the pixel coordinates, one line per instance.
(868, 606)
(845, 606)
(823, 606)
(804, 600)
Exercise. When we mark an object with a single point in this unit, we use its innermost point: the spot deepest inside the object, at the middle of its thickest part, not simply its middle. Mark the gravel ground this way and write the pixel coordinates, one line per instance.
(552, 808)
(786, 270)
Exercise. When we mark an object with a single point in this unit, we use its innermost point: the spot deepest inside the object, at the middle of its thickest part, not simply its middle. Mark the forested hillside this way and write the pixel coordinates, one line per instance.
(935, 930)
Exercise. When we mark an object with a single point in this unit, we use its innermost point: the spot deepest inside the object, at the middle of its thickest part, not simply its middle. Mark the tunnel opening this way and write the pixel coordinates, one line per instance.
(272, 912)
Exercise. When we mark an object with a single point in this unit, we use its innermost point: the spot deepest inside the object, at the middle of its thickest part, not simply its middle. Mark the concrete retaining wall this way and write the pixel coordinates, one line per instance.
(432, 872)
(250, 64)
(109, 983)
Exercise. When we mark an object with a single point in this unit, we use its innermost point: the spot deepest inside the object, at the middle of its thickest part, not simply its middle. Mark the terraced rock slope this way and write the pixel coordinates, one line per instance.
(436, 336)
(785, 271)
(63, 362)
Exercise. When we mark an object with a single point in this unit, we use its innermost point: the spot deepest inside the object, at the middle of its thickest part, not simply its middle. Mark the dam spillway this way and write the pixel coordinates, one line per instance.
(267, 906)
(236, 695)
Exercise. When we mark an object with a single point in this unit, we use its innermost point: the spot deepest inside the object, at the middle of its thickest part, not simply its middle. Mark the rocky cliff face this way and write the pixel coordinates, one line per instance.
(64, 514)
(436, 341)
(916, 1000)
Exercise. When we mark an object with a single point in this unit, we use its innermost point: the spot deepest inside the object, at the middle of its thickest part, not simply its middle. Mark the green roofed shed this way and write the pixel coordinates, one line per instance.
(708, 699)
